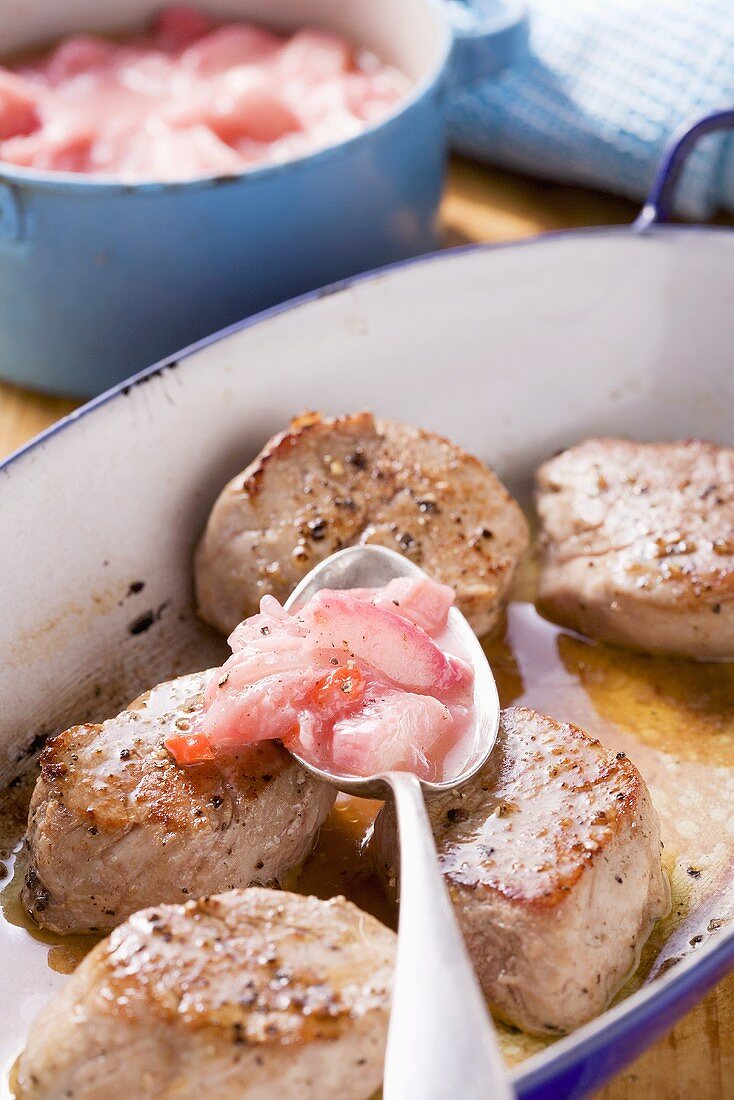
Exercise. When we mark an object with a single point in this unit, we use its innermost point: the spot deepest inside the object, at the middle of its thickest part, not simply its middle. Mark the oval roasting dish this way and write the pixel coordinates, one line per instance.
(515, 352)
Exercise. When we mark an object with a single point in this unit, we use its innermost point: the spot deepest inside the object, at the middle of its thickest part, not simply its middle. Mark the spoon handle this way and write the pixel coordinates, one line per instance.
(441, 1042)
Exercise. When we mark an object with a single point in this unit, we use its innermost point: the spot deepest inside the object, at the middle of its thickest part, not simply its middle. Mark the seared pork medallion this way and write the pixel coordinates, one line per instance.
(638, 544)
(251, 994)
(552, 858)
(115, 824)
(327, 483)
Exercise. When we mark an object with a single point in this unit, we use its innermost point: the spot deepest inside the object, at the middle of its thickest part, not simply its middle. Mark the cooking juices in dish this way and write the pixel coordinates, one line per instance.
(189, 98)
(358, 682)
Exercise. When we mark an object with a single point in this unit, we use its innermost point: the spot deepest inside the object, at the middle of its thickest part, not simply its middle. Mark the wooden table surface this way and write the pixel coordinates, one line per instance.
(696, 1060)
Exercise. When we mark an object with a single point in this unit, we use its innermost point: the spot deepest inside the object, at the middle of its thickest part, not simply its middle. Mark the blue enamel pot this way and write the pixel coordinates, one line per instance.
(99, 278)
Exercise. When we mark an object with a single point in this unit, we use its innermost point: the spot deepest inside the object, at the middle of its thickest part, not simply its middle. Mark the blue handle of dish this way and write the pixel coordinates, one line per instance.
(659, 203)
(489, 35)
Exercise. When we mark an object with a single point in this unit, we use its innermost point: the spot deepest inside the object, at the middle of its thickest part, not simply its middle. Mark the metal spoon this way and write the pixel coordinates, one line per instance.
(441, 1042)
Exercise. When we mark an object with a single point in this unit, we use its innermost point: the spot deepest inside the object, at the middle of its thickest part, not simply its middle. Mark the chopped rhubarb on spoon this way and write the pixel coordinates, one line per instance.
(424, 602)
(353, 680)
(383, 639)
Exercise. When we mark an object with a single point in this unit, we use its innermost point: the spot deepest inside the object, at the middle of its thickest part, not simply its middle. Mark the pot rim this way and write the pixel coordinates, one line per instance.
(78, 182)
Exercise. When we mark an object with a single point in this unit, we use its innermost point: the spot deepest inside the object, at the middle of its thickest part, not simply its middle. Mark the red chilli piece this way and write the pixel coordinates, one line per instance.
(189, 748)
(339, 686)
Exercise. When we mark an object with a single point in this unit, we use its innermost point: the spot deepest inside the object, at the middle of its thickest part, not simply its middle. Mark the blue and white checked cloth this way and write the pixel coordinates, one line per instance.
(604, 85)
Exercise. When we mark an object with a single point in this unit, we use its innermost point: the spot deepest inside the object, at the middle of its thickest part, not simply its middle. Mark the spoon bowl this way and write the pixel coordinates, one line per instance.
(441, 1041)
(374, 567)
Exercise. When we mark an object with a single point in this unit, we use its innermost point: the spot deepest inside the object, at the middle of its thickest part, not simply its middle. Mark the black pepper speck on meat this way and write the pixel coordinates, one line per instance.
(406, 488)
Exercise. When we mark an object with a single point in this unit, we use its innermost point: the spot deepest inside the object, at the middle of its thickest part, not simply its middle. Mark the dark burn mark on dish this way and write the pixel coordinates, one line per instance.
(142, 623)
(35, 746)
(456, 814)
(145, 621)
(171, 364)
(668, 964)
(135, 587)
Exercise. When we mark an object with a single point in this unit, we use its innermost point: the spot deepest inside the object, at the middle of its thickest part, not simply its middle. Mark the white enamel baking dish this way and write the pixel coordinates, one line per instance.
(514, 352)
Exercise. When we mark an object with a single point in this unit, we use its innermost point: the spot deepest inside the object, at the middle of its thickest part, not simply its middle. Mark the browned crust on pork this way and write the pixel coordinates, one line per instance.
(250, 993)
(552, 859)
(517, 775)
(264, 1000)
(325, 483)
(115, 824)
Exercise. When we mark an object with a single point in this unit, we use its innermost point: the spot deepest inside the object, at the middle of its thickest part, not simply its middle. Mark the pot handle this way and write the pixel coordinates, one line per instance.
(659, 202)
(489, 35)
